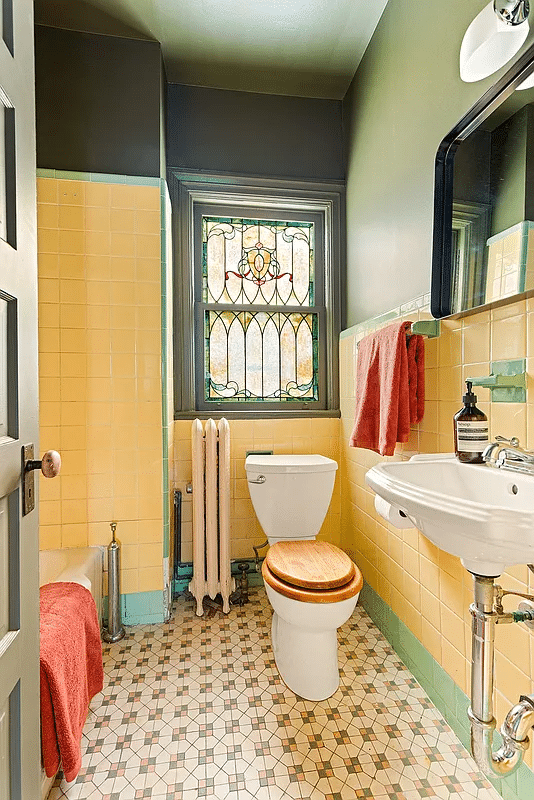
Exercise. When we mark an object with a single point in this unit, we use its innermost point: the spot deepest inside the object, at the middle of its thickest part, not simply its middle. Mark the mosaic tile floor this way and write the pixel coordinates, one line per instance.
(195, 708)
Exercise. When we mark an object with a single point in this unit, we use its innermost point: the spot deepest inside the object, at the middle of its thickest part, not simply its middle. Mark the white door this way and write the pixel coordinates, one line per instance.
(19, 596)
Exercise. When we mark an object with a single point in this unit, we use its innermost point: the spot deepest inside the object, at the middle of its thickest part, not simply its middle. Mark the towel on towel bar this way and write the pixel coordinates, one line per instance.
(390, 388)
(71, 672)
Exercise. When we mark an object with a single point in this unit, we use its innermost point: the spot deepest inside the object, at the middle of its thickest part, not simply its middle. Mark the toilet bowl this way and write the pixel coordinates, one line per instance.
(313, 587)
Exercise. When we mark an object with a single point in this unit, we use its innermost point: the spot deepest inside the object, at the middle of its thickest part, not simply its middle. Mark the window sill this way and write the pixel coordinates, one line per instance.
(230, 415)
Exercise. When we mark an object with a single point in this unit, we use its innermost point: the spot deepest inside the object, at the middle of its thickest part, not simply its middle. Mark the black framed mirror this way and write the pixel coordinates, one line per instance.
(484, 200)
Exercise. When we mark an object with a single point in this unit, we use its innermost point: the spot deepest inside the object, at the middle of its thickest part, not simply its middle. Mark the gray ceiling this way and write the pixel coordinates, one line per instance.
(307, 48)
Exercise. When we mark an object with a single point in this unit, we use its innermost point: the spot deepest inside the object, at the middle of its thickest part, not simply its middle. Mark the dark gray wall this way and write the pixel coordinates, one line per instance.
(254, 134)
(97, 103)
(405, 97)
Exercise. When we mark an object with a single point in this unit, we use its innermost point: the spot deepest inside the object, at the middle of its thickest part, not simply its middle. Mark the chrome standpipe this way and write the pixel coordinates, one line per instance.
(487, 611)
(115, 630)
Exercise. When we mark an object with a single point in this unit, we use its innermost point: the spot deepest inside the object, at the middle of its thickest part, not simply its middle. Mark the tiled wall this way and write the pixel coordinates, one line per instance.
(427, 589)
(281, 436)
(100, 371)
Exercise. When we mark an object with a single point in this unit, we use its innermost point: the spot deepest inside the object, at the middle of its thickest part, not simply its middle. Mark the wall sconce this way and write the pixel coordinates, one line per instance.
(493, 38)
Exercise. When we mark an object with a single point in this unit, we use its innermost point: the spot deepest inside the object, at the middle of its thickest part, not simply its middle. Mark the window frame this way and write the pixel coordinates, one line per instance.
(192, 191)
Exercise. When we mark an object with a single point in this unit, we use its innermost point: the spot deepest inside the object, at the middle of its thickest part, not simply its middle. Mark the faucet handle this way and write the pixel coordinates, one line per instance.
(513, 442)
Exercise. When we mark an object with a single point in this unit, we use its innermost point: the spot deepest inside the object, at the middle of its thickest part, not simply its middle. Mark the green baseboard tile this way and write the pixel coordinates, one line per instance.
(142, 608)
(139, 608)
(185, 573)
(448, 698)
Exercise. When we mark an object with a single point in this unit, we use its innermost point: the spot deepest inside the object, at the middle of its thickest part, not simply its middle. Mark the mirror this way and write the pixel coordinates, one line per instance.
(484, 201)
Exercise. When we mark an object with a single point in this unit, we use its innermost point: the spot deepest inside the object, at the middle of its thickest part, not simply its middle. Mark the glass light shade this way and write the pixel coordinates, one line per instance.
(488, 44)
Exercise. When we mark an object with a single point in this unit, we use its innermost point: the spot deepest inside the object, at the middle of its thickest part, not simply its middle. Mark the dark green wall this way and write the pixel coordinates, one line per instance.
(508, 172)
(254, 134)
(97, 102)
(472, 168)
(405, 97)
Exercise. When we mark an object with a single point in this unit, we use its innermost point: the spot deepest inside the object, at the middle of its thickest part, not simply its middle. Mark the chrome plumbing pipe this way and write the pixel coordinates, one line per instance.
(519, 719)
(115, 630)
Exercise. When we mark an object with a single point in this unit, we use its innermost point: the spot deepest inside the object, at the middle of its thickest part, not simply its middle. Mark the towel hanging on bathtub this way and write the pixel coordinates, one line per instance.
(71, 672)
(390, 388)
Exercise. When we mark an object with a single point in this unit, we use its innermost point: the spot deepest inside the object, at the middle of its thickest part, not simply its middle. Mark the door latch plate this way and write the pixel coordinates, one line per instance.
(28, 481)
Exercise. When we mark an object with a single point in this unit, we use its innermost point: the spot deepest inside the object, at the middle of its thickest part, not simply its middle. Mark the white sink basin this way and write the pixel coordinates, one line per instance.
(482, 514)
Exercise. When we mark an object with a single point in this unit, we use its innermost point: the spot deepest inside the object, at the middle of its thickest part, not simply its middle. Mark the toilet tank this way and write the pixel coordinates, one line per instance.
(290, 493)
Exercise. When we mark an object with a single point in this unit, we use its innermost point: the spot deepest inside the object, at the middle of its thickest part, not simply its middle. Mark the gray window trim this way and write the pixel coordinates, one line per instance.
(188, 190)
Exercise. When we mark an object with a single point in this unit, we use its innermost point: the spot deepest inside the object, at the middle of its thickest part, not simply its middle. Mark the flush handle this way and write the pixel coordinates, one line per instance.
(50, 466)
(259, 479)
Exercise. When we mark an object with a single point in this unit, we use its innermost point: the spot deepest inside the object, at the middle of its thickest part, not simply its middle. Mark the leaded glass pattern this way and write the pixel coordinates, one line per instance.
(261, 325)
(257, 262)
(261, 356)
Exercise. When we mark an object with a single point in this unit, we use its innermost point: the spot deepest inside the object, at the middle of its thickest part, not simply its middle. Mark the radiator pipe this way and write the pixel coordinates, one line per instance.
(115, 630)
(519, 719)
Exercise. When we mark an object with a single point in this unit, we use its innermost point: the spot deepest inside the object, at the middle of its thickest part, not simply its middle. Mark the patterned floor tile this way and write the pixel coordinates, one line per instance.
(195, 708)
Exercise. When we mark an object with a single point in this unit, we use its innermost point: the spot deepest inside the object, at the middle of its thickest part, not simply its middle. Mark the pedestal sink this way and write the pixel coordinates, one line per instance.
(481, 514)
(485, 516)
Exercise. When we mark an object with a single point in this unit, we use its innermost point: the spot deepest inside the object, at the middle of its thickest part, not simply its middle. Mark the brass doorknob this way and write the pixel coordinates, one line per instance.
(50, 465)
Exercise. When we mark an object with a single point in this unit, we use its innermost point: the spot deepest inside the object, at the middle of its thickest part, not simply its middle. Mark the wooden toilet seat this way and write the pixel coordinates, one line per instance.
(311, 571)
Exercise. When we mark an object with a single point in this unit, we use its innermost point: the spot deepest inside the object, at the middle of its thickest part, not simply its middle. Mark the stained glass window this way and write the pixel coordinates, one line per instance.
(261, 326)
(259, 262)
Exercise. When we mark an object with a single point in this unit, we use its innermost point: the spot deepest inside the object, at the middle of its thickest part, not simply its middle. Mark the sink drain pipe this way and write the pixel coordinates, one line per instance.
(514, 731)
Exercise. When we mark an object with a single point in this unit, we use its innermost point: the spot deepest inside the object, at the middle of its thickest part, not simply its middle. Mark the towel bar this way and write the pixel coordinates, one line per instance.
(429, 328)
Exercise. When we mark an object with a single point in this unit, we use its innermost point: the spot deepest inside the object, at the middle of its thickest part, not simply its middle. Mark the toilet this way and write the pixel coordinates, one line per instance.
(313, 587)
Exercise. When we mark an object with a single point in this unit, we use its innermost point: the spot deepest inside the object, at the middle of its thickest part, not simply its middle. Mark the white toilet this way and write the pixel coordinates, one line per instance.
(312, 586)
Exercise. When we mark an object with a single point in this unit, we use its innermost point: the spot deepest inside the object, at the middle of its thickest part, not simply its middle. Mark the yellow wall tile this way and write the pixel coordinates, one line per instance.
(47, 190)
(71, 192)
(90, 400)
(443, 585)
(71, 217)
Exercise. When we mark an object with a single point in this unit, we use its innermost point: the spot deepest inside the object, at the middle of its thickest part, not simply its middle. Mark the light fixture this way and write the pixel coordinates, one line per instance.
(493, 38)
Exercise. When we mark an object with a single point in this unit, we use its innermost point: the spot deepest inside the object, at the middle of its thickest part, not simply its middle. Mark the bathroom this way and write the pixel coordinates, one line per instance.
(108, 399)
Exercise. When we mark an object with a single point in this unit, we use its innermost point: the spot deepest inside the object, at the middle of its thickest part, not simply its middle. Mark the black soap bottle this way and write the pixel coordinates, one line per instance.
(470, 430)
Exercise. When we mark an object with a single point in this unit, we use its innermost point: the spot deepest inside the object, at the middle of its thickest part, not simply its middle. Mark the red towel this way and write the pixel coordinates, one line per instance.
(389, 388)
(71, 672)
(416, 378)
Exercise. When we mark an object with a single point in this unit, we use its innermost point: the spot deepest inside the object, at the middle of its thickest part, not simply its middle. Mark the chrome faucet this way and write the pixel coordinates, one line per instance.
(507, 454)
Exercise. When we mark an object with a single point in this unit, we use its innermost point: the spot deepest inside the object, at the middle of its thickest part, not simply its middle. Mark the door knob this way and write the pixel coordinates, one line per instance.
(50, 465)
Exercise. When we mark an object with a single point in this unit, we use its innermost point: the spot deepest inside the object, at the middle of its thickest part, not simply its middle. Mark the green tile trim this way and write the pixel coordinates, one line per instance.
(523, 226)
(519, 226)
(164, 376)
(440, 687)
(371, 324)
(140, 608)
(98, 177)
(185, 573)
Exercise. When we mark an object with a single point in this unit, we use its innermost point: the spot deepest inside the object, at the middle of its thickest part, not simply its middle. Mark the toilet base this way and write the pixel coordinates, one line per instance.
(306, 659)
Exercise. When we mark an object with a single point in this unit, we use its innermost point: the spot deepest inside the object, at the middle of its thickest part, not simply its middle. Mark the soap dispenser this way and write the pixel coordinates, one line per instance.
(471, 433)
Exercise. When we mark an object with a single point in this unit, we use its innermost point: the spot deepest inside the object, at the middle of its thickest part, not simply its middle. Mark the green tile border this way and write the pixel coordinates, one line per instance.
(371, 324)
(98, 177)
(440, 687)
(140, 608)
(165, 384)
(185, 572)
